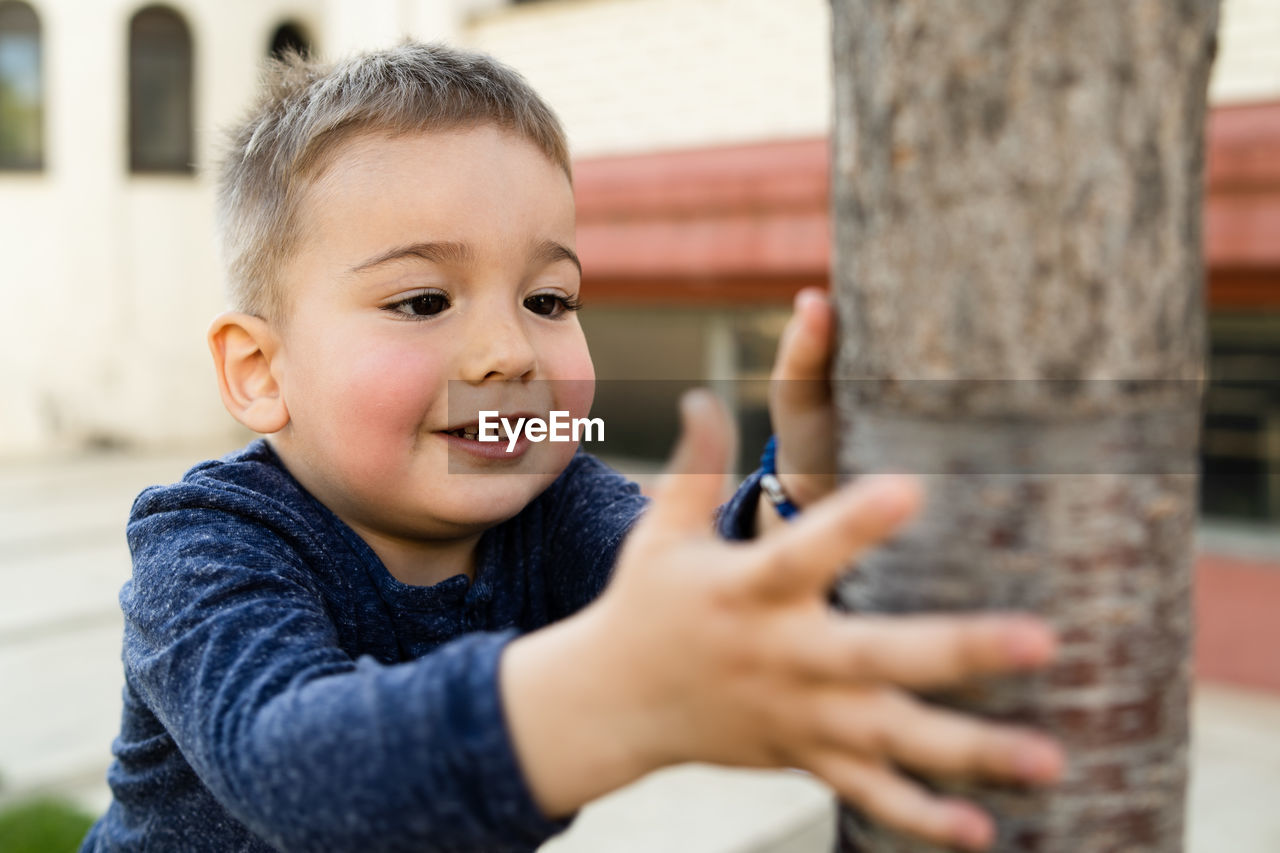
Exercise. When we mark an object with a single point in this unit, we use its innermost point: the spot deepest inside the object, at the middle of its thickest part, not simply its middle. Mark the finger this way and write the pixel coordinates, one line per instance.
(804, 350)
(801, 371)
(692, 487)
(807, 555)
(896, 802)
(924, 652)
(937, 742)
(947, 744)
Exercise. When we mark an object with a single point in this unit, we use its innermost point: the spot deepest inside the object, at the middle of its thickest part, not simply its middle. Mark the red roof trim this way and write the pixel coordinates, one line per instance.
(1243, 149)
(743, 179)
(731, 218)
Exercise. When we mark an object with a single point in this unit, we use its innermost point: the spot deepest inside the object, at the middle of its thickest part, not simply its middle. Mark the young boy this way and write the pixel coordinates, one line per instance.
(371, 631)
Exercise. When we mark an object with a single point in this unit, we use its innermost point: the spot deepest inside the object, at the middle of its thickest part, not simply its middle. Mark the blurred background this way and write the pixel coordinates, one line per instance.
(699, 132)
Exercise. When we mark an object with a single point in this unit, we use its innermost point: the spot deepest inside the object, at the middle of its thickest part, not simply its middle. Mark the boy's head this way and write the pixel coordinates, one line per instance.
(398, 227)
(309, 109)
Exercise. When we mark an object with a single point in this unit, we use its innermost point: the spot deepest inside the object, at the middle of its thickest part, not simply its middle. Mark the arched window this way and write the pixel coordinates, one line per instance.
(21, 88)
(289, 36)
(160, 76)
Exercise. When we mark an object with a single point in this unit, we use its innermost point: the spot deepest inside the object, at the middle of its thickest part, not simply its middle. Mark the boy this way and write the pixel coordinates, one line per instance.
(371, 631)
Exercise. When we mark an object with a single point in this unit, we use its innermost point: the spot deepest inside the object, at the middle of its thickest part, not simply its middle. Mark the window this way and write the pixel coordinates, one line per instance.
(727, 349)
(160, 77)
(289, 36)
(21, 95)
(1240, 445)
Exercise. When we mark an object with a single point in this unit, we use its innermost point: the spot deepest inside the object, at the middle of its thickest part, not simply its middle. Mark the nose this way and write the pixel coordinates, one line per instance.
(498, 348)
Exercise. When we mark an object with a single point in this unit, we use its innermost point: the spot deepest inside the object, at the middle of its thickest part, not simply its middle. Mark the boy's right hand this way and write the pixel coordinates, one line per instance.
(704, 650)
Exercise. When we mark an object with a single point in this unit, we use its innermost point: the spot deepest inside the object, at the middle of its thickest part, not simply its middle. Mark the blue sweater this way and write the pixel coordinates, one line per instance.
(284, 691)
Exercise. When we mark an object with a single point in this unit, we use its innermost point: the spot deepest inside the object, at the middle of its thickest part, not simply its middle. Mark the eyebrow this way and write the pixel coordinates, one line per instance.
(549, 251)
(447, 252)
(439, 253)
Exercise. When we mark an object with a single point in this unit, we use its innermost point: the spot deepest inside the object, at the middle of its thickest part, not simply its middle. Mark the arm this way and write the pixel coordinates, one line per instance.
(228, 642)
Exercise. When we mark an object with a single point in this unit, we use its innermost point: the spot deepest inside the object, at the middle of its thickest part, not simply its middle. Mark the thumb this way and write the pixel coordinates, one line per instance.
(692, 487)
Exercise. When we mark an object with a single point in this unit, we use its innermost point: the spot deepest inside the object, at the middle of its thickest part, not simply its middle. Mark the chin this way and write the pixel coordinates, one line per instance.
(485, 500)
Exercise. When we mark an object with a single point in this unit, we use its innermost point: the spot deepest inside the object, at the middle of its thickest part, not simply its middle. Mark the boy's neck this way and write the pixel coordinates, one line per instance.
(417, 562)
(424, 563)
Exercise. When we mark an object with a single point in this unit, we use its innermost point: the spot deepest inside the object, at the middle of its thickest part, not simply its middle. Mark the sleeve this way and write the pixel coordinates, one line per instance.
(596, 509)
(736, 519)
(229, 643)
(593, 509)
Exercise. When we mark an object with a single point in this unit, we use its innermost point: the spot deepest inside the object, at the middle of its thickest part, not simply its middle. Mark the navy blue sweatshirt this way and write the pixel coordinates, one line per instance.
(284, 691)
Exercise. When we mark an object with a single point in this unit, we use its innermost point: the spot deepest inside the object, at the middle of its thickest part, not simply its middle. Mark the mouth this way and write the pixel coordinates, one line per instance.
(470, 433)
(499, 447)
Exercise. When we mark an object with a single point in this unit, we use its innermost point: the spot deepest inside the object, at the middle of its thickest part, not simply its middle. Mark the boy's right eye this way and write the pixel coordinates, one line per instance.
(425, 304)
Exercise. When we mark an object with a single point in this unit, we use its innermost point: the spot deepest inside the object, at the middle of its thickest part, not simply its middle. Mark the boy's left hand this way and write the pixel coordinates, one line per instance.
(800, 404)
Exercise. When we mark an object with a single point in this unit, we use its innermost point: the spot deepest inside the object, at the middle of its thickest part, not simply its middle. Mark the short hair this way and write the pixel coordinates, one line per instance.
(308, 108)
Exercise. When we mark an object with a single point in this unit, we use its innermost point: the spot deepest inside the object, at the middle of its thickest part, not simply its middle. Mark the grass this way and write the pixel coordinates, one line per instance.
(42, 825)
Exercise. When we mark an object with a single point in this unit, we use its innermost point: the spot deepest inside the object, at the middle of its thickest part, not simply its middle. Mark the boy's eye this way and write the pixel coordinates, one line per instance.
(421, 304)
(551, 304)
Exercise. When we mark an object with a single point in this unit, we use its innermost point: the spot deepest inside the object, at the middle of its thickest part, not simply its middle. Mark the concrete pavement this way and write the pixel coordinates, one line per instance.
(63, 558)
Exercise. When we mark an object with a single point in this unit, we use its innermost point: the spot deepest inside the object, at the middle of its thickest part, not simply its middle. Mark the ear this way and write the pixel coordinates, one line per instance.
(245, 350)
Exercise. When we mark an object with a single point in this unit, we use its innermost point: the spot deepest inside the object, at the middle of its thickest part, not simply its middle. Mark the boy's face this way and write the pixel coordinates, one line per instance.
(430, 263)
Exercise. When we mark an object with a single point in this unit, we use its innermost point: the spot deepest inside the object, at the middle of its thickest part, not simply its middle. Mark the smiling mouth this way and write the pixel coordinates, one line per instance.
(502, 422)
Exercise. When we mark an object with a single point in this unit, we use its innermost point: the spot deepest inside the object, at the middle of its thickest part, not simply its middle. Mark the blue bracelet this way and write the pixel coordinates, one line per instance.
(770, 485)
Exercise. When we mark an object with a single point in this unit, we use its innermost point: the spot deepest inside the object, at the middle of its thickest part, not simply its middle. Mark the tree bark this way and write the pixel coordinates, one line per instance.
(1019, 281)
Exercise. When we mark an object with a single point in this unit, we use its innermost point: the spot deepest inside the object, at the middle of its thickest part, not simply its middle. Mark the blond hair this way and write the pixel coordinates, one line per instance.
(309, 108)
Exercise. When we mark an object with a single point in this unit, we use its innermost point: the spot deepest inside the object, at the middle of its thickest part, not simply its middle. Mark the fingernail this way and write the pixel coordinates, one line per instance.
(695, 402)
(807, 297)
(1040, 761)
(1030, 643)
(971, 829)
(894, 496)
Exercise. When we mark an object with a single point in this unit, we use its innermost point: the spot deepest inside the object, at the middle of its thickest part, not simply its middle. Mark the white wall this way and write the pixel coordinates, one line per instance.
(109, 280)
(1248, 65)
(641, 75)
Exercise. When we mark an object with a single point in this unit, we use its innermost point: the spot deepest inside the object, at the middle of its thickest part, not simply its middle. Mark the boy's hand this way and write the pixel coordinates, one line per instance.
(703, 650)
(800, 405)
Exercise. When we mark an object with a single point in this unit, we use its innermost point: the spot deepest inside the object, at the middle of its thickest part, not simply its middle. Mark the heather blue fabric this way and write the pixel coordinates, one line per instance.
(284, 691)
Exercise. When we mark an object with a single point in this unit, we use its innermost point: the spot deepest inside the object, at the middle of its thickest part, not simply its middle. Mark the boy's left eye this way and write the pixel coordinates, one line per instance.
(425, 304)
(551, 304)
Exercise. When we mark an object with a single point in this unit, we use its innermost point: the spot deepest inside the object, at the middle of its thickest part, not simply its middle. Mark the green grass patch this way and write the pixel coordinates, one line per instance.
(42, 825)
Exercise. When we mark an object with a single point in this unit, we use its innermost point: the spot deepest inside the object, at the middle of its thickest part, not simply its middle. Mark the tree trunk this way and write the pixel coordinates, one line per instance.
(1017, 194)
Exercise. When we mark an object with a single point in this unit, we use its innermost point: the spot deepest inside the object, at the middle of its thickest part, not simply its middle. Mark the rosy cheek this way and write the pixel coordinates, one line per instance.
(575, 396)
(576, 388)
(565, 356)
(388, 391)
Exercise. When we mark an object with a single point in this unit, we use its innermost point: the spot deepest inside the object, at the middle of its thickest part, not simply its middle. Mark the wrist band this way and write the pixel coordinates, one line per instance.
(770, 485)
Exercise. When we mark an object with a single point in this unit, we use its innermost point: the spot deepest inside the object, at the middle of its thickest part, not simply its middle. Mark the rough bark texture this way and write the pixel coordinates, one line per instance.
(1017, 194)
